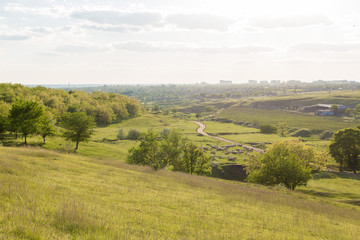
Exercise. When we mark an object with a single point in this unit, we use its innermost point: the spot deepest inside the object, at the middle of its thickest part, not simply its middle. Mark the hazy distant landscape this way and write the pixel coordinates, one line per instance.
(179, 119)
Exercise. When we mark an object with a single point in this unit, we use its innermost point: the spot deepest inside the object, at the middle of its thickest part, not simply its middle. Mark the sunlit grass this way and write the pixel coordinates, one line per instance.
(294, 120)
(49, 195)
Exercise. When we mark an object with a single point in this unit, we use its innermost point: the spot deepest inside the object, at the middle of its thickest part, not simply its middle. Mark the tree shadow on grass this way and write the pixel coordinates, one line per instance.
(344, 197)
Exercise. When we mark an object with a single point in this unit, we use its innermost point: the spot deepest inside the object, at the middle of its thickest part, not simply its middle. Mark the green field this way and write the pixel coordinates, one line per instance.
(49, 195)
(293, 119)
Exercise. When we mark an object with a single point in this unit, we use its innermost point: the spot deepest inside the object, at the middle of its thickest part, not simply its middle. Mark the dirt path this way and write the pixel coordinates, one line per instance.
(202, 127)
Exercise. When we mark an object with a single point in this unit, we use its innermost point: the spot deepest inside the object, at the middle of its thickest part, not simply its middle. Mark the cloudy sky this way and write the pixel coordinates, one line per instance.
(178, 41)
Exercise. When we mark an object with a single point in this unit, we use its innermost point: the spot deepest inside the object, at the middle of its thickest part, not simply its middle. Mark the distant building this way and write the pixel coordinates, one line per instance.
(324, 113)
(293, 82)
(322, 109)
(204, 83)
(225, 82)
(252, 82)
(275, 82)
(264, 82)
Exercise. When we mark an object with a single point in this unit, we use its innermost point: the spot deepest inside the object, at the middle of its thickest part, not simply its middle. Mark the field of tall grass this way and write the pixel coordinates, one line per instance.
(50, 195)
(293, 119)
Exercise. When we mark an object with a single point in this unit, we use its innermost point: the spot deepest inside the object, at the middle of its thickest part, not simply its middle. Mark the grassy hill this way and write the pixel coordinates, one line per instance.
(49, 195)
(293, 119)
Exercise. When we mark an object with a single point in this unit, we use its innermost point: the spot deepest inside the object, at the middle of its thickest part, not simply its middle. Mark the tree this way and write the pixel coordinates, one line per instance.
(156, 109)
(286, 163)
(335, 109)
(345, 148)
(195, 160)
(25, 117)
(172, 145)
(268, 129)
(148, 152)
(4, 114)
(46, 128)
(169, 148)
(354, 111)
(78, 127)
(133, 134)
(283, 128)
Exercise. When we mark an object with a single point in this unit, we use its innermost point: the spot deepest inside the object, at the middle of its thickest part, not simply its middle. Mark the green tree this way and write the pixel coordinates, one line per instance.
(25, 117)
(78, 127)
(268, 129)
(169, 148)
(156, 109)
(148, 153)
(286, 163)
(133, 134)
(195, 160)
(4, 114)
(121, 134)
(283, 128)
(46, 128)
(354, 112)
(335, 109)
(172, 145)
(345, 148)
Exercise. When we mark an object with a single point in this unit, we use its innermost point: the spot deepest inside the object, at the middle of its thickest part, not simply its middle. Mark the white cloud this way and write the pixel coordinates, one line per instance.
(326, 47)
(293, 21)
(200, 21)
(140, 46)
(14, 37)
(112, 28)
(119, 18)
(80, 48)
(53, 11)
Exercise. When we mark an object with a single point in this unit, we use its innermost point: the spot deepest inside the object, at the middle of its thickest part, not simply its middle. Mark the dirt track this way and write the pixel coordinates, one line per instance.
(202, 127)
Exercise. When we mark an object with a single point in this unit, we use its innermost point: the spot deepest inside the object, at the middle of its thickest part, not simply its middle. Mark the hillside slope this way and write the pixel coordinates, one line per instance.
(48, 195)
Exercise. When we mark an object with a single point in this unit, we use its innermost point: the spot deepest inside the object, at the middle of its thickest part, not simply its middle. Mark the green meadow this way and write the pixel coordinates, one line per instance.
(50, 195)
(293, 119)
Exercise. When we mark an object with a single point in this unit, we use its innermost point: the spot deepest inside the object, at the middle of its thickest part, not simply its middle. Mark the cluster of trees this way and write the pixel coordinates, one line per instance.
(355, 112)
(290, 163)
(176, 95)
(28, 118)
(168, 148)
(345, 148)
(104, 107)
(281, 128)
(287, 163)
(132, 134)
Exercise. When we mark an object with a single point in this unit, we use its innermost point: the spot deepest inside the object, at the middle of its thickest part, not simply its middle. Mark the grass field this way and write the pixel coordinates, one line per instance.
(103, 144)
(49, 195)
(294, 120)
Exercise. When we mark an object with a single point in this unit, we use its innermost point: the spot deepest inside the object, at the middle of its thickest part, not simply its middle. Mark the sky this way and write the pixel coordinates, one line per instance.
(178, 41)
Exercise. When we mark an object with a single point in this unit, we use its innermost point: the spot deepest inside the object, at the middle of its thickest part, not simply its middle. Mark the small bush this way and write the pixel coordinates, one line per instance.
(302, 133)
(326, 135)
(133, 134)
(268, 129)
(121, 134)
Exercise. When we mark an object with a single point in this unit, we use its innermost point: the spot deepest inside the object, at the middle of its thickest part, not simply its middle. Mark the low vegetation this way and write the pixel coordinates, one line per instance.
(168, 148)
(345, 148)
(287, 163)
(48, 195)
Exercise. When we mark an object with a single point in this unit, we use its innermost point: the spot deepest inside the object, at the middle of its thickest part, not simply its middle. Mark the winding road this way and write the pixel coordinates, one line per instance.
(202, 127)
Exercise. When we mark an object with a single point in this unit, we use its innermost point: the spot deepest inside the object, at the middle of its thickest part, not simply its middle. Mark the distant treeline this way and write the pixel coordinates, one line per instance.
(104, 107)
(177, 95)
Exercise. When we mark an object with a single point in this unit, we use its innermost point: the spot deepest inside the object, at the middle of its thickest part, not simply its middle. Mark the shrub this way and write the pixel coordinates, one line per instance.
(302, 133)
(121, 134)
(133, 134)
(169, 148)
(286, 163)
(268, 129)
